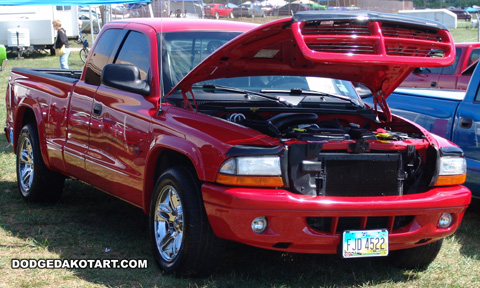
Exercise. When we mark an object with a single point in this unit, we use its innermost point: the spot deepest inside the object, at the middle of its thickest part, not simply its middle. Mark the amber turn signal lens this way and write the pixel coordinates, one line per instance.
(449, 180)
(251, 181)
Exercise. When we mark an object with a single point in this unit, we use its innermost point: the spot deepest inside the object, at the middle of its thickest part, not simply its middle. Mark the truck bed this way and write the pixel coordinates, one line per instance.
(54, 73)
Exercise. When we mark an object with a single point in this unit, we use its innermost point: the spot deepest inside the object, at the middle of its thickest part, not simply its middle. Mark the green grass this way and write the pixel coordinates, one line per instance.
(465, 35)
(86, 222)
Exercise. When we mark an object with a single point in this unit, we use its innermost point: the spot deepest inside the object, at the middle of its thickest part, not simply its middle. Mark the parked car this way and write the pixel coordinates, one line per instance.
(462, 14)
(267, 8)
(290, 9)
(249, 10)
(315, 6)
(215, 10)
(84, 23)
(455, 76)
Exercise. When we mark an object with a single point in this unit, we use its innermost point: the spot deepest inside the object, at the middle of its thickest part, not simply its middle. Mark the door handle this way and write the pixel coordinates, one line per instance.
(433, 84)
(466, 122)
(97, 109)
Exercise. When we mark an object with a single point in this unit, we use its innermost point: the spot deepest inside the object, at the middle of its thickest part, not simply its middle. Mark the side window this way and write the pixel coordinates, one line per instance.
(477, 97)
(102, 55)
(136, 51)
(451, 69)
(473, 56)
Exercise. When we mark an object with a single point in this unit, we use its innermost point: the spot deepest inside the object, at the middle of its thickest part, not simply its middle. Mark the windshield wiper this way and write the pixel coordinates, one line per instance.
(248, 93)
(298, 91)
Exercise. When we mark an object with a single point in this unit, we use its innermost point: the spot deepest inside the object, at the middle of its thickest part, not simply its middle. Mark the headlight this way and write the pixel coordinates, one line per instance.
(251, 171)
(452, 171)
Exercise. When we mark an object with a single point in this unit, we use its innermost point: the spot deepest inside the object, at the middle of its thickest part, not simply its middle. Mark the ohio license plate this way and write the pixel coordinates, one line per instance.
(365, 243)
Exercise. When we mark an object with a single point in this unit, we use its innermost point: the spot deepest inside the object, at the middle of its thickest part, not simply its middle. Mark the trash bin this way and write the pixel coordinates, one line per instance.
(3, 57)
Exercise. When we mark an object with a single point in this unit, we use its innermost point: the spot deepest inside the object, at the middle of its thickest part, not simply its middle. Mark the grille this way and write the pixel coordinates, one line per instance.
(344, 48)
(371, 174)
(334, 28)
(405, 50)
(410, 33)
(336, 225)
(374, 38)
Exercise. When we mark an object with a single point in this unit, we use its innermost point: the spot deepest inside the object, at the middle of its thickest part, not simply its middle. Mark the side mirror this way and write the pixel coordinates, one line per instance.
(125, 77)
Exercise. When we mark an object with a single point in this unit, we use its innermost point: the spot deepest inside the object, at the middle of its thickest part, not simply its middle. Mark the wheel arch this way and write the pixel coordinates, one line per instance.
(163, 156)
(27, 114)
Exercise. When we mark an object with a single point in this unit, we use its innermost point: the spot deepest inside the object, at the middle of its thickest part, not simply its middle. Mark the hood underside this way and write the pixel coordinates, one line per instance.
(377, 50)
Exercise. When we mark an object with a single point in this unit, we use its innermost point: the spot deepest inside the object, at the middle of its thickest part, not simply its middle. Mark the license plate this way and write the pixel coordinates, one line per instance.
(365, 243)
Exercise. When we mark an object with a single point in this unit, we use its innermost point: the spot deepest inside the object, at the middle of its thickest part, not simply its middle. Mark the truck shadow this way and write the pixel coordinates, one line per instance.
(470, 230)
(88, 224)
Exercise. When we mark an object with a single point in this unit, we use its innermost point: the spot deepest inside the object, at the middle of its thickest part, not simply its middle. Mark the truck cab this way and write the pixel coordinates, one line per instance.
(448, 77)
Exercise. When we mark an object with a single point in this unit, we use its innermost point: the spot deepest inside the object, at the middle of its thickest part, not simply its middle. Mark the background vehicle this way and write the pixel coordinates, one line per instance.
(447, 113)
(450, 77)
(34, 25)
(248, 10)
(84, 23)
(283, 155)
(290, 9)
(267, 8)
(462, 14)
(185, 9)
(216, 10)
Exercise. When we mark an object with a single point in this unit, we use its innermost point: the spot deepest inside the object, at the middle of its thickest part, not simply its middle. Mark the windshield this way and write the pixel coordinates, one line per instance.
(284, 90)
(287, 84)
(182, 51)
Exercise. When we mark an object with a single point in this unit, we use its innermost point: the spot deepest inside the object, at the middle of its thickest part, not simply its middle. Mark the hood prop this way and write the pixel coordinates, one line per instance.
(379, 99)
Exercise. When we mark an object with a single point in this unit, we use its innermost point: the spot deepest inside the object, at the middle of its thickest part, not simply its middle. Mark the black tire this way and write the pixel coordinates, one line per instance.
(182, 240)
(418, 257)
(35, 181)
(83, 54)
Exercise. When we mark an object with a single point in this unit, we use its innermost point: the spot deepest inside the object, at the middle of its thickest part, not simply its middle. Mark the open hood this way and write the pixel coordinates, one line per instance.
(375, 49)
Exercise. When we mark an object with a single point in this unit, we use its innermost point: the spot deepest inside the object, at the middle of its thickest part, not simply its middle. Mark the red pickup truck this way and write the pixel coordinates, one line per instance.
(455, 76)
(264, 142)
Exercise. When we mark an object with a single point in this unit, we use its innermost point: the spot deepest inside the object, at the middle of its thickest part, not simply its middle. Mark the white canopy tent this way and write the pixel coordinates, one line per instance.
(90, 3)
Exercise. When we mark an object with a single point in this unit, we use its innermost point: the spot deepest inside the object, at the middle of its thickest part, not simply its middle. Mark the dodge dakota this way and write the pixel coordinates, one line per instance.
(255, 134)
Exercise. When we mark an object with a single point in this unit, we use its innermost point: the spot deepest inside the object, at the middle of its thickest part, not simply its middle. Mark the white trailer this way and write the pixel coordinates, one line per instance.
(31, 26)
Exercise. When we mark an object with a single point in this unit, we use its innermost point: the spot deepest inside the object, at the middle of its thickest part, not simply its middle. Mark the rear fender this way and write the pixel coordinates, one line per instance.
(26, 107)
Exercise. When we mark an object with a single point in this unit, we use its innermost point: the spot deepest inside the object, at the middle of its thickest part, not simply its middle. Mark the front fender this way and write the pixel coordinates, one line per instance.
(179, 145)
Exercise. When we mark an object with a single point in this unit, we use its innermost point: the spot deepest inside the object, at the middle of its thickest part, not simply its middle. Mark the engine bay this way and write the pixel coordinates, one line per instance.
(346, 154)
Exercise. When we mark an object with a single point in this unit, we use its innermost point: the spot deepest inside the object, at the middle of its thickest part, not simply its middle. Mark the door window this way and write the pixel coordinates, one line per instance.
(102, 55)
(135, 51)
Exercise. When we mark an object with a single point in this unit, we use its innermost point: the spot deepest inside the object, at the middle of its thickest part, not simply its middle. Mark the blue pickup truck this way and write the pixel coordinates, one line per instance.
(452, 114)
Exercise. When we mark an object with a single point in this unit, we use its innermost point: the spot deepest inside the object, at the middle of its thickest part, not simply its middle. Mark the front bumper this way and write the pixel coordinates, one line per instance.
(410, 219)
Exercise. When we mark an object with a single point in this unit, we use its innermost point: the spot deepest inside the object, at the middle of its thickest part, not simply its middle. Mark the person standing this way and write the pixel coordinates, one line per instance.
(61, 40)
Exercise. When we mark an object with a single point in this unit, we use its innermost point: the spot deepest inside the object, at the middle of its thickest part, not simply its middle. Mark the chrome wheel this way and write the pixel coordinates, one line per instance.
(168, 223)
(26, 166)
